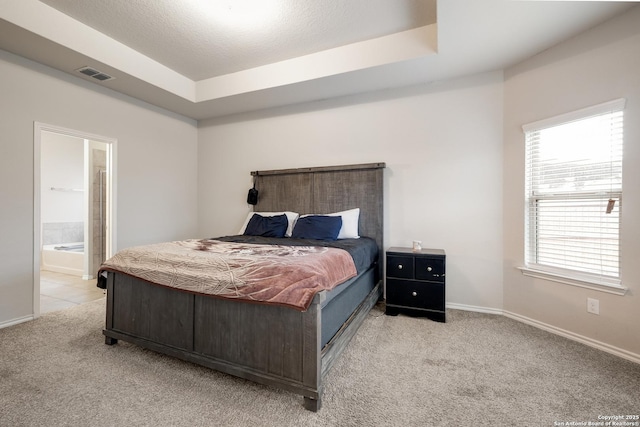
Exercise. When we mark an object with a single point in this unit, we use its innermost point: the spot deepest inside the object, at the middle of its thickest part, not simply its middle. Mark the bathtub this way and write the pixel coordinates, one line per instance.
(65, 258)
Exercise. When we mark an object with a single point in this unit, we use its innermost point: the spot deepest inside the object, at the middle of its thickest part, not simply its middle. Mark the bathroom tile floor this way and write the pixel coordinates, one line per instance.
(59, 291)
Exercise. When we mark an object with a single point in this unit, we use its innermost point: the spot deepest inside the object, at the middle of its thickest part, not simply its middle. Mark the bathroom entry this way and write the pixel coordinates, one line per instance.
(73, 213)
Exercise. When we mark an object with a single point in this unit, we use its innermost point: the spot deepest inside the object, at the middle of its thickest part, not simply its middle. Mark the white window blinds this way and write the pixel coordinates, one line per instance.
(574, 191)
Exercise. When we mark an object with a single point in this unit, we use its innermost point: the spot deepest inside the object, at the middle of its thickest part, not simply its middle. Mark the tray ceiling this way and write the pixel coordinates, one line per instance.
(203, 58)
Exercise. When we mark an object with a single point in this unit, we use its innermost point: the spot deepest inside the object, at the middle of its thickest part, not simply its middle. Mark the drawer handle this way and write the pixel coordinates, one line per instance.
(429, 268)
(399, 266)
(414, 293)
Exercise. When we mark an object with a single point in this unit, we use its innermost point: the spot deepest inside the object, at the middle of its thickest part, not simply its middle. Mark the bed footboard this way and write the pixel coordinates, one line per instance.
(268, 344)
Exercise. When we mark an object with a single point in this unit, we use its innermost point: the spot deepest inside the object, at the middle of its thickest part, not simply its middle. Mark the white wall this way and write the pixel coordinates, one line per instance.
(156, 160)
(599, 65)
(62, 166)
(443, 183)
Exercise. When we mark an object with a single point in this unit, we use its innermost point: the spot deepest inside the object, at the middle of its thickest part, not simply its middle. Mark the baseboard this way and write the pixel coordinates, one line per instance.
(64, 270)
(16, 321)
(475, 308)
(575, 337)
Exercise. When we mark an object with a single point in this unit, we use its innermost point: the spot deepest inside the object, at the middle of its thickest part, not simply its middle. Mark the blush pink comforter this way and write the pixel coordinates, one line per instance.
(270, 274)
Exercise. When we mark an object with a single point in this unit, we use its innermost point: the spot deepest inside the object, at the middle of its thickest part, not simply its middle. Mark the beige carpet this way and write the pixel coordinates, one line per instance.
(475, 370)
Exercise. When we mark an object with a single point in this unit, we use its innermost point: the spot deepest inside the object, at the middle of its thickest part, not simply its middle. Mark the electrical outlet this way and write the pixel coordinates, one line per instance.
(593, 305)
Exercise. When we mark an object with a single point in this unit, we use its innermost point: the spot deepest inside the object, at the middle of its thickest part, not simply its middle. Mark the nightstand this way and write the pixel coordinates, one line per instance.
(415, 283)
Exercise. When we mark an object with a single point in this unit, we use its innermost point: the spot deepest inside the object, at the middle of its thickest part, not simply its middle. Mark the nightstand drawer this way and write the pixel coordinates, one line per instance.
(400, 266)
(415, 294)
(431, 269)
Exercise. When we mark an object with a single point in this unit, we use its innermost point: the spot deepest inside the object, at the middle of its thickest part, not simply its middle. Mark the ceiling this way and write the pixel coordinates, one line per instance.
(201, 39)
(211, 58)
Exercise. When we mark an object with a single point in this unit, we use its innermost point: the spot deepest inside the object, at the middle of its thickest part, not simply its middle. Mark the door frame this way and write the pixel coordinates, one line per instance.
(111, 145)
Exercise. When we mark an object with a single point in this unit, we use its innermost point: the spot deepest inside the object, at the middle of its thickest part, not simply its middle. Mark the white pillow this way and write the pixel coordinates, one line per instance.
(292, 217)
(350, 219)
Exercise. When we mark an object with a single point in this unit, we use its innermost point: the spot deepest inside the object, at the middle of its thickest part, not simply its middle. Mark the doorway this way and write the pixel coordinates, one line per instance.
(74, 193)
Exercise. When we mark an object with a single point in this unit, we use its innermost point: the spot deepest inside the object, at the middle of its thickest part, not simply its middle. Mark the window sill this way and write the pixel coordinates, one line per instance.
(582, 282)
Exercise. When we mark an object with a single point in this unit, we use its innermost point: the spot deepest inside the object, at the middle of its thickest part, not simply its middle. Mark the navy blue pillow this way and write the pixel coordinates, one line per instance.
(317, 227)
(267, 226)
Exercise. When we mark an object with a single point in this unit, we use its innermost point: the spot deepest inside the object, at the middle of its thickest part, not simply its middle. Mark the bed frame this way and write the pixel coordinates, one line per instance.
(272, 345)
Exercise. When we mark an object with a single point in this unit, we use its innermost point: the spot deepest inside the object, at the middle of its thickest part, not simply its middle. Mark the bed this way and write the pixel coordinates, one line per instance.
(271, 343)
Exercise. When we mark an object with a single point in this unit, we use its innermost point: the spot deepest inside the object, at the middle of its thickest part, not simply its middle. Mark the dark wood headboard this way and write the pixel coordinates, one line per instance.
(323, 190)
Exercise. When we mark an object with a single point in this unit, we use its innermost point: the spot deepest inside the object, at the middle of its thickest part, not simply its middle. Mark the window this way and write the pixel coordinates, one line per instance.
(573, 194)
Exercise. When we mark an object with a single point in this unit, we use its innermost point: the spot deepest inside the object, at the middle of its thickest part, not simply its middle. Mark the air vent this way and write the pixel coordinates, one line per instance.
(95, 74)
